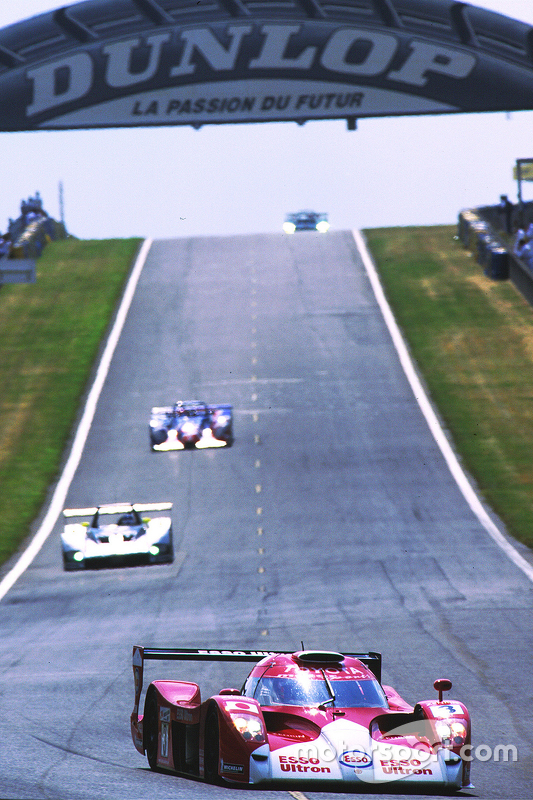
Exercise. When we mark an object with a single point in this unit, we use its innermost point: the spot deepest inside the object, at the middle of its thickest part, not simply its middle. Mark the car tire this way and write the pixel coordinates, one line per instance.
(158, 436)
(72, 566)
(150, 730)
(171, 549)
(211, 747)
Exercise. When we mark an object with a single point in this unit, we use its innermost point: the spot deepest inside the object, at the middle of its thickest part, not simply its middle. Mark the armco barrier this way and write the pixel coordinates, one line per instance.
(478, 236)
(497, 264)
(481, 231)
(522, 216)
(521, 277)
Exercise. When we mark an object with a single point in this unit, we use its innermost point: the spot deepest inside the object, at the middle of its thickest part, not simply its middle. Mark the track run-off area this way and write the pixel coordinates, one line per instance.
(335, 520)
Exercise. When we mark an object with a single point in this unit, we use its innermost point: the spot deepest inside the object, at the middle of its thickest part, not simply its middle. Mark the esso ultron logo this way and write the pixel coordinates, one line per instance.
(356, 759)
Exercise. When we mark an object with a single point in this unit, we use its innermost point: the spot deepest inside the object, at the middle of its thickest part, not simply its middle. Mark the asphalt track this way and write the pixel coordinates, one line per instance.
(333, 520)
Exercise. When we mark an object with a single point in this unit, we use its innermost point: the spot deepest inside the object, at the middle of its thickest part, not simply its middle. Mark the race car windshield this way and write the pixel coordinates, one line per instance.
(305, 691)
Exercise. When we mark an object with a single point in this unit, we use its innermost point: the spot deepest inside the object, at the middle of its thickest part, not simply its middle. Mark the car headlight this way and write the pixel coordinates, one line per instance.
(322, 226)
(451, 733)
(154, 550)
(250, 727)
(458, 731)
(289, 227)
(78, 556)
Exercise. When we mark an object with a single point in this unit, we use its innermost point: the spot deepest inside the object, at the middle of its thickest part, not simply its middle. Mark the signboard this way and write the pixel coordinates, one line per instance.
(103, 63)
(526, 171)
(17, 270)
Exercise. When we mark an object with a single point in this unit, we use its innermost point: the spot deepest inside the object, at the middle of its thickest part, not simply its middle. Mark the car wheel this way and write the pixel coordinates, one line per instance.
(150, 730)
(158, 436)
(71, 566)
(170, 558)
(211, 747)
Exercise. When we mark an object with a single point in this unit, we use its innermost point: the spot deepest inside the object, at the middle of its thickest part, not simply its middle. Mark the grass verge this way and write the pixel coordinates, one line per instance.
(472, 339)
(50, 333)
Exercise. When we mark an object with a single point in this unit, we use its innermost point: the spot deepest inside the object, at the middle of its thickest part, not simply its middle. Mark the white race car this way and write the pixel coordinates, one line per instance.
(126, 539)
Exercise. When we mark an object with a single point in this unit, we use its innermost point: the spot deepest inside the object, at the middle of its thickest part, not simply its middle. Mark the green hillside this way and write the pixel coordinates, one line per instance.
(472, 339)
(50, 332)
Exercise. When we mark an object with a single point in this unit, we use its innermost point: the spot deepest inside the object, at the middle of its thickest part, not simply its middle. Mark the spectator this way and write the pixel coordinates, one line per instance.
(506, 209)
(523, 249)
(5, 245)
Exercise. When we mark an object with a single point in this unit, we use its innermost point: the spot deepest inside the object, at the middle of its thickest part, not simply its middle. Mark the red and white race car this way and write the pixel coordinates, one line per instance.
(300, 717)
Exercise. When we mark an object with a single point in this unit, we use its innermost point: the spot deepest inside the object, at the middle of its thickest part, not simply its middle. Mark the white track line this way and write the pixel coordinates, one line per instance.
(58, 498)
(434, 425)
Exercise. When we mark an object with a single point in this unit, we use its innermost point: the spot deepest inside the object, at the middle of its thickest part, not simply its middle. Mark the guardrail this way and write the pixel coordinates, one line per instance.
(480, 230)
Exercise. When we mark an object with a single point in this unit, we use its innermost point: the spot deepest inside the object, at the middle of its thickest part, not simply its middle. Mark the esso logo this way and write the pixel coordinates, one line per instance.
(356, 759)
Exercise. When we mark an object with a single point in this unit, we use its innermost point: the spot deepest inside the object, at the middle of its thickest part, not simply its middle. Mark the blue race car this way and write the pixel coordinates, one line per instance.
(306, 221)
(190, 425)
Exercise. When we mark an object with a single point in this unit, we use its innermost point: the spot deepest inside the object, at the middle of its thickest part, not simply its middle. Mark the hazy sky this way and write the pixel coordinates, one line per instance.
(177, 181)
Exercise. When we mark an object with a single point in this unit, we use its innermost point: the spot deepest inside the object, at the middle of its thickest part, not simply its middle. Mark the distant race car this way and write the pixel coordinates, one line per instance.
(190, 424)
(301, 717)
(306, 221)
(127, 538)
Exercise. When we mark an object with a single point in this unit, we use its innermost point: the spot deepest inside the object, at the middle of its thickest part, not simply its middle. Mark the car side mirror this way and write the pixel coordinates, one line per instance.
(442, 685)
(230, 691)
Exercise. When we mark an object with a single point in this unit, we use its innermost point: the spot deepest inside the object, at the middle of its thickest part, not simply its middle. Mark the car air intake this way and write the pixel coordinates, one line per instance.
(319, 657)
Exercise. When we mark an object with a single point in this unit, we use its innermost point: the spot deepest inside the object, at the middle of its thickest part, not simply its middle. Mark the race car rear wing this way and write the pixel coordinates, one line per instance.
(192, 405)
(141, 654)
(116, 508)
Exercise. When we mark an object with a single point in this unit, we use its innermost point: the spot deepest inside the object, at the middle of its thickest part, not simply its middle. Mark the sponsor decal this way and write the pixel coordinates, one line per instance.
(245, 72)
(164, 714)
(302, 764)
(137, 679)
(295, 736)
(446, 710)
(303, 103)
(240, 705)
(235, 769)
(404, 767)
(355, 759)
(183, 715)
(261, 653)
(333, 673)
(164, 740)
(245, 101)
(169, 57)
